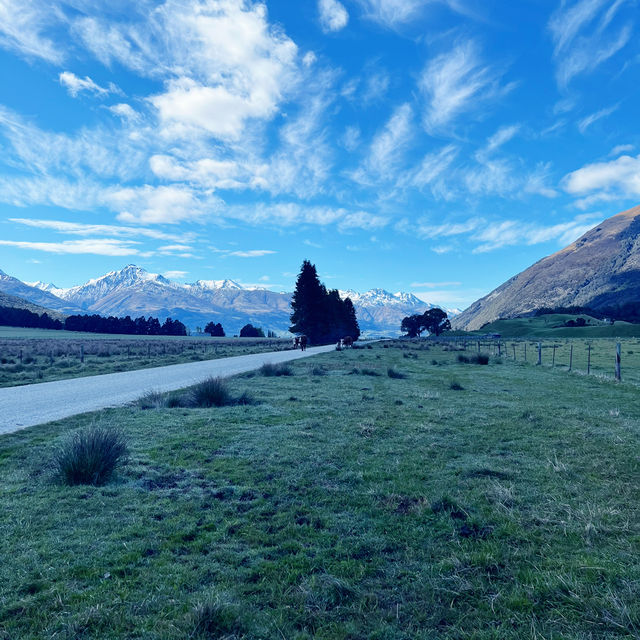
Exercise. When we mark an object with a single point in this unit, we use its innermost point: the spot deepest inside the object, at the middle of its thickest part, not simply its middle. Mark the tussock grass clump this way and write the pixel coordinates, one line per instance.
(318, 371)
(396, 375)
(215, 619)
(456, 386)
(212, 392)
(269, 369)
(90, 456)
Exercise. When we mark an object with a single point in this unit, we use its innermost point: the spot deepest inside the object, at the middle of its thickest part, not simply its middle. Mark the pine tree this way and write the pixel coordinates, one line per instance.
(352, 328)
(308, 304)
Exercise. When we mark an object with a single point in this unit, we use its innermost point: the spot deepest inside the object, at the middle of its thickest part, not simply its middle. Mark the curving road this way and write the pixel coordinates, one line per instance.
(22, 407)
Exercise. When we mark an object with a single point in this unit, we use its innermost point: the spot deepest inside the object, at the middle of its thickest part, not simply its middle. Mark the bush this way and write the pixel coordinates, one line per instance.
(369, 372)
(212, 392)
(463, 359)
(269, 369)
(318, 371)
(397, 375)
(90, 456)
(456, 386)
(480, 358)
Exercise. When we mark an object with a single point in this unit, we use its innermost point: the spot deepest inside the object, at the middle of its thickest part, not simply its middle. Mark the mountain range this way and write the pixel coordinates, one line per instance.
(134, 291)
(600, 270)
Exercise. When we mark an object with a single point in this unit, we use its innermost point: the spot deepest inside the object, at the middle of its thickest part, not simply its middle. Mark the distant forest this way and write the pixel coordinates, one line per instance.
(141, 326)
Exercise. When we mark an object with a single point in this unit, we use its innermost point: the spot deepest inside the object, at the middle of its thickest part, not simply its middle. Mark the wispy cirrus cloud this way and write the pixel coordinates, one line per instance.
(23, 28)
(394, 12)
(515, 232)
(252, 253)
(587, 121)
(83, 229)
(333, 15)
(75, 85)
(584, 36)
(96, 246)
(458, 82)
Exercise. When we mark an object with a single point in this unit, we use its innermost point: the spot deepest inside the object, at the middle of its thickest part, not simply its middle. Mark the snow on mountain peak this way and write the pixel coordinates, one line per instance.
(216, 284)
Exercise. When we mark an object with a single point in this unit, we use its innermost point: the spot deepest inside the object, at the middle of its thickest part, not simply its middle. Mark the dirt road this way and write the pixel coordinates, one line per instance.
(25, 406)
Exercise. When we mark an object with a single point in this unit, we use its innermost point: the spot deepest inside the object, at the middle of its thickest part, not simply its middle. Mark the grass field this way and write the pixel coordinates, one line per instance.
(552, 326)
(444, 499)
(26, 358)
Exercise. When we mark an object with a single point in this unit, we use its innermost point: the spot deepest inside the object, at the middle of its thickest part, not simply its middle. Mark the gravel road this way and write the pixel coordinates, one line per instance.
(22, 407)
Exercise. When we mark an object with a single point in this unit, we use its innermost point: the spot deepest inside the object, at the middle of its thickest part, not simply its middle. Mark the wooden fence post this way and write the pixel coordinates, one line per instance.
(570, 357)
(20, 356)
(553, 360)
(618, 361)
(514, 352)
(589, 359)
(478, 346)
(82, 353)
(539, 353)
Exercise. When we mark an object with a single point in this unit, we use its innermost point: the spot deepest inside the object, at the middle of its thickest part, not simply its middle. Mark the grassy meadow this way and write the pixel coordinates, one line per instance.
(39, 355)
(388, 492)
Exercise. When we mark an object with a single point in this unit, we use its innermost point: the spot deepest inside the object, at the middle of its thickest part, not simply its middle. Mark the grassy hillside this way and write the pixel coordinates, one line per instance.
(552, 325)
(459, 501)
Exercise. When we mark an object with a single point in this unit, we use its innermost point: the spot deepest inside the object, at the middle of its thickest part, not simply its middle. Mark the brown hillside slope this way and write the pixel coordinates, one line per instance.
(16, 302)
(600, 269)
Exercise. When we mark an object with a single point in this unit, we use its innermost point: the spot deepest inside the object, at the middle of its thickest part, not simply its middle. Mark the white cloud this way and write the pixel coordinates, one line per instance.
(512, 232)
(23, 24)
(388, 146)
(376, 85)
(621, 148)
(458, 82)
(433, 166)
(81, 229)
(424, 229)
(254, 253)
(433, 285)
(76, 85)
(125, 111)
(97, 246)
(161, 204)
(586, 122)
(501, 137)
(394, 12)
(175, 275)
(333, 15)
(616, 178)
(583, 38)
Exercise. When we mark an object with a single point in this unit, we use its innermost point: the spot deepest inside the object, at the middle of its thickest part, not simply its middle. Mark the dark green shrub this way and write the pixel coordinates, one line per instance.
(269, 369)
(480, 358)
(456, 386)
(90, 456)
(397, 375)
(463, 359)
(370, 372)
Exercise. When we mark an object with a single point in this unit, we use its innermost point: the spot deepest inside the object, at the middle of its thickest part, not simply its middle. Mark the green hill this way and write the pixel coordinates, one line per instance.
(554, 325)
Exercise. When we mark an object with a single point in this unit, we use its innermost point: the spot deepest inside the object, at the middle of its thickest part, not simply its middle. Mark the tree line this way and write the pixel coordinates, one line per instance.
(320, 313)
(13, 317)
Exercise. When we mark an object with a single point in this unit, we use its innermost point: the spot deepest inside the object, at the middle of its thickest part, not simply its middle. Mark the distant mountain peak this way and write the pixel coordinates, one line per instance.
(217, 284)
(600, 270)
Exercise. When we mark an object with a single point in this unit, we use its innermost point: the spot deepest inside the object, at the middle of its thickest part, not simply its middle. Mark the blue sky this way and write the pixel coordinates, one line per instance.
(431, 146)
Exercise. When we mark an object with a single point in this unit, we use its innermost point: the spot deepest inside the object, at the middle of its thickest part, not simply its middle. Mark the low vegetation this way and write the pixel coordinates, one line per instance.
(90, 456)
(25, 359)
(343, 506)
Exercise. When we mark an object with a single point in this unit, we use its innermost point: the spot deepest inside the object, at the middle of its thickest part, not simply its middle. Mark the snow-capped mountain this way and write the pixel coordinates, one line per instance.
(134, 291)
(14, 287)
